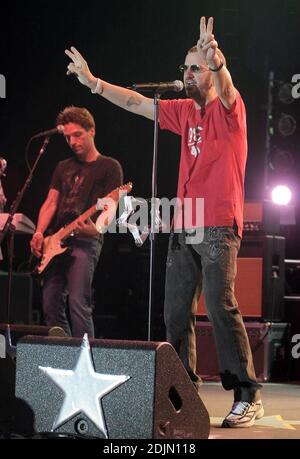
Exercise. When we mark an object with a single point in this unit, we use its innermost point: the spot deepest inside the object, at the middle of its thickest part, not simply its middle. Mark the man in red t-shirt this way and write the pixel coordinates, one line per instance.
(212, 125)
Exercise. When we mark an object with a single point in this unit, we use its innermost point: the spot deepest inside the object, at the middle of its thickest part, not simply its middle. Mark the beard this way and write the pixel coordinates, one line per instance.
(192, 91)
(198, 94)
(195, 93)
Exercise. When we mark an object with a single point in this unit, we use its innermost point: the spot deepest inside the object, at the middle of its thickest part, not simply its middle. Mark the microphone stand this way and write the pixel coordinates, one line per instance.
(10, 228)
(269, 133)
(154, 203)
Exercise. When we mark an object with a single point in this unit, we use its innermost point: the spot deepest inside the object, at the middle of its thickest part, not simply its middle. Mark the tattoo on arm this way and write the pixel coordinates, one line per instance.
(133, 101)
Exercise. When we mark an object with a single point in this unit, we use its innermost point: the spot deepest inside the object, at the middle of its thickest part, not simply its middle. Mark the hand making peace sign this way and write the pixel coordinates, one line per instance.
(207, 45)
(79, 67)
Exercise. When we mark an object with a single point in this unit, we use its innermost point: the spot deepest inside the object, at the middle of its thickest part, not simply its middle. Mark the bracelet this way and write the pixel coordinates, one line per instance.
(97, 87)
(217, 69)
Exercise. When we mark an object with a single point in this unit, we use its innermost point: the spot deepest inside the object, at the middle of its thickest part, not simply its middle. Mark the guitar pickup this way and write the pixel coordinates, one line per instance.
(101, 204)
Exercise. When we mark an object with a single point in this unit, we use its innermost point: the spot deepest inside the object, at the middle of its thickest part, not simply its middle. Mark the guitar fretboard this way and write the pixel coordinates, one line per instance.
(67, 230)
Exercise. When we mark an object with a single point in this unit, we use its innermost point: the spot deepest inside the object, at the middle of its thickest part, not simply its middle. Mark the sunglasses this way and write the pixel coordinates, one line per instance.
(194, 68)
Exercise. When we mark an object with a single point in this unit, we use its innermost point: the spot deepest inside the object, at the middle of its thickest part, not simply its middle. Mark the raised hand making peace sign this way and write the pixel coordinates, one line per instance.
(207, 45)
(80, 68)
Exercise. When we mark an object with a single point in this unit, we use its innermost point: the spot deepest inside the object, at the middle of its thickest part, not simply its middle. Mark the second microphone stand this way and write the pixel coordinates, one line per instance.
(9, 228)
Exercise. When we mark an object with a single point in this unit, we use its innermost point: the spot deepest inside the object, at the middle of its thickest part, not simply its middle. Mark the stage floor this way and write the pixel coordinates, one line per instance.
(282, 412)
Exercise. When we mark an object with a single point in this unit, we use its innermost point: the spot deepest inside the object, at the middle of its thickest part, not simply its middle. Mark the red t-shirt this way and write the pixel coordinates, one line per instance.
(213, 159)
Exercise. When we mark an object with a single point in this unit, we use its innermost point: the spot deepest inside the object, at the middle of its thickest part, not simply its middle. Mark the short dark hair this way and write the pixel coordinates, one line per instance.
(76, 115)
(194, 49)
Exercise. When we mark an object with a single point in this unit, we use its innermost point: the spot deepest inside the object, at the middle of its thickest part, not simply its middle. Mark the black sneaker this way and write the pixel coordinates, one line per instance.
(244, 414)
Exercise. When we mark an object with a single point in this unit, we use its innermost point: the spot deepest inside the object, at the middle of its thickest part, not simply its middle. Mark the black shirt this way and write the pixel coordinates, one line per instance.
(80, 184)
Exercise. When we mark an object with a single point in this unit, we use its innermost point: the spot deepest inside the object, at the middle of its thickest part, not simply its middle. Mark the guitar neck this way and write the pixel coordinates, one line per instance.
(113, 196)
(67, 230)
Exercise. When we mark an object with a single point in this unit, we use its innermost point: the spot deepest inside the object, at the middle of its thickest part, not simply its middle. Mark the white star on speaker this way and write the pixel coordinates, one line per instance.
(83, 388)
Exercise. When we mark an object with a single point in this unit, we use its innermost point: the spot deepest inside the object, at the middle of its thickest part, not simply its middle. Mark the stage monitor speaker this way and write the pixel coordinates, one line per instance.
(155, 398)
(14, 332)
(259, 284)
(21, 299)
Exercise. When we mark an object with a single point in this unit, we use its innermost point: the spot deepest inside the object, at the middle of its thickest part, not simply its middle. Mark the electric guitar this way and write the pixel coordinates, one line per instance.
(52, 245)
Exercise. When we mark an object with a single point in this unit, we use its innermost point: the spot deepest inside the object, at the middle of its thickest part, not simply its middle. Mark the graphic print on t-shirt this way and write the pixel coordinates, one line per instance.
(75, 187)
(195, 139)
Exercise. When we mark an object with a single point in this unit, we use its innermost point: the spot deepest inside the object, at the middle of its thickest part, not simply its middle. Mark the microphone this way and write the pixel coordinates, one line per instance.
(175, 86)
(58, 130)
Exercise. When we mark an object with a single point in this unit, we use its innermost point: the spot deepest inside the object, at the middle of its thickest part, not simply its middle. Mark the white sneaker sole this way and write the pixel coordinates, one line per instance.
(237, 425)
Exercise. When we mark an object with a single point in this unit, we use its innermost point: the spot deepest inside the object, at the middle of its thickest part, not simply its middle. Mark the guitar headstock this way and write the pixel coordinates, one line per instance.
(127, 188)
(117, 193)
(109, 206)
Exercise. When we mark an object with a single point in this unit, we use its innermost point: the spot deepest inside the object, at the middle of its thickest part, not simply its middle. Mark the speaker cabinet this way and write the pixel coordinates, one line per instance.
(21, 298)
(259, 284)
(158, 399)
(263, 216)
(269, 342)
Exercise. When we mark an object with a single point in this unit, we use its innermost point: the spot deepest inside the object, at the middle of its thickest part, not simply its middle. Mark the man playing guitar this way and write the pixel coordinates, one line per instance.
(76, 185)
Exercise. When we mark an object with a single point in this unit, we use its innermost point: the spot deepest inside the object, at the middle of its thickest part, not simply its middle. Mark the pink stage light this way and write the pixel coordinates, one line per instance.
(281, 195)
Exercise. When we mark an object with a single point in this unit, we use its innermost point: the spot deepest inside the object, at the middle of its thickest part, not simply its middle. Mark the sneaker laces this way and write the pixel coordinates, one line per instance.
(240, 408)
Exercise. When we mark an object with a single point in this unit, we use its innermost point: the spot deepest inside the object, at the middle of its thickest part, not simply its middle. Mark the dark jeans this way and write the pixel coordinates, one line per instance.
(210, 265)
(70, 277)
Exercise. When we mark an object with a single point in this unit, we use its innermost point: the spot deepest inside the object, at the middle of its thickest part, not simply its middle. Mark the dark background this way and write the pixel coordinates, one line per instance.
(126, 42)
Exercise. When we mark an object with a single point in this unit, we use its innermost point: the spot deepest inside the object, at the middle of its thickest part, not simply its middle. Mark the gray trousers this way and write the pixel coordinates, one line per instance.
(211, 266)
(70, 278)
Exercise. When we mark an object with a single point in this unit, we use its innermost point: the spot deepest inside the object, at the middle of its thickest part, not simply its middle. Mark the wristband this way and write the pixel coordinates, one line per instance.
(97, 87)
(217, 69)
